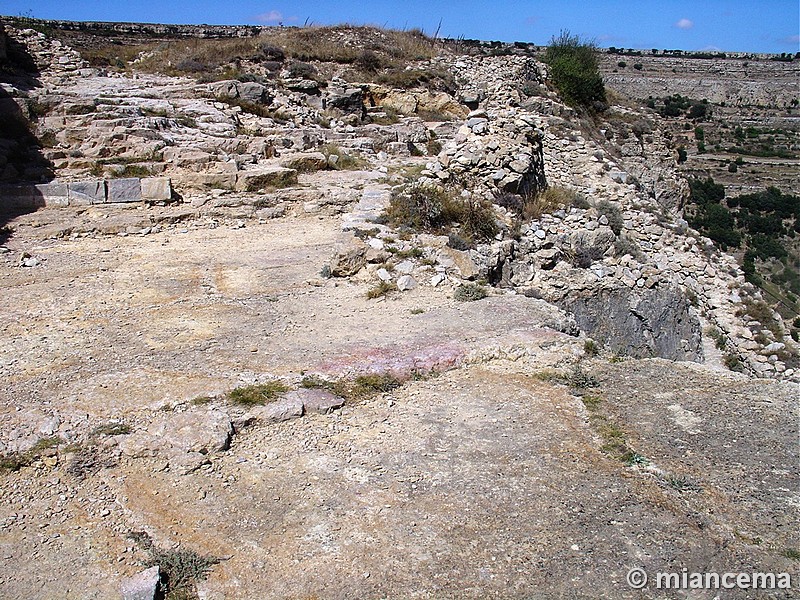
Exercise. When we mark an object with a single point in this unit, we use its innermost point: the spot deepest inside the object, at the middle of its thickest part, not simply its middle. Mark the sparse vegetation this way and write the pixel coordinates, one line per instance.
(792, 553)
(181, 568)
(340, 160)
(88, 460)
(680, 483)
(579, 378)
(366, 386)
(254, 395)
(111, 429)
(374, 54)
(624, 245)
(613, 213)
(718, 337)
(381, 290)
(14, 461)
(470, 292)
(434, 209)
(732, 362)
(549, 200)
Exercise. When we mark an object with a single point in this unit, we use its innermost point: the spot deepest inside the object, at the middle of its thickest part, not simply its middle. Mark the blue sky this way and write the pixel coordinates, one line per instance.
(732, 25)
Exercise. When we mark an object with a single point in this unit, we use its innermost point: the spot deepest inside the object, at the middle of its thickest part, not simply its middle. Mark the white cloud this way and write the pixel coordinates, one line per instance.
(272, 16)
(684, 24)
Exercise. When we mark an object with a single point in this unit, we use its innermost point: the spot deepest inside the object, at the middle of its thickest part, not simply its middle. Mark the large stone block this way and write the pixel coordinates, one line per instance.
(84, 193)
(125, 190)
(264, 178)
(19, 197)
(156, 188)
(52, 194)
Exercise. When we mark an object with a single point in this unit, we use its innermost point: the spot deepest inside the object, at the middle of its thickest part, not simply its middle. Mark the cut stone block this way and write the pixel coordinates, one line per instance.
(52, 194)
(156, 188)
(125, 190)
(84, 193)
(19, 197)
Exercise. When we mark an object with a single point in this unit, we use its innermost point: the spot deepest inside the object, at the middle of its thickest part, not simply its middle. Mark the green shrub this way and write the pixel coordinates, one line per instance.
(364, 387)
(181, 570)
(732, 362)
(579, 378)
(624, 245)
(254, 395)
(433, 209)
(613, 213)
(470, 292)
(549, 200)
(574, 71)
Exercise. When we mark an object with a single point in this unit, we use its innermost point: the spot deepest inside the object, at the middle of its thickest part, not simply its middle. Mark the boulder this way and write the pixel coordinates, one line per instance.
(249, 91)
(406, 282)
(254, 180)
(461, 260)
(254, 92)
(596, 241)
(348, 100)
(349, 258)
(142, 586)
(316, 400)
(199, 431)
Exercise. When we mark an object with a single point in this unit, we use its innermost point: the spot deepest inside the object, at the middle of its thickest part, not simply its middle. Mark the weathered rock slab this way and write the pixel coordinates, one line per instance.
(142, 586)
(124, 190)
(263, 178)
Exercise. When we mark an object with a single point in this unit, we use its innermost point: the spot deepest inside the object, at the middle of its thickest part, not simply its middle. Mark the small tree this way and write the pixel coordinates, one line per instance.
(574, 71)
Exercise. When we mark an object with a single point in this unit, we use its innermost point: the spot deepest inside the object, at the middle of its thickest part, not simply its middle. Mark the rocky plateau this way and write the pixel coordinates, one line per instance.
(621, 397)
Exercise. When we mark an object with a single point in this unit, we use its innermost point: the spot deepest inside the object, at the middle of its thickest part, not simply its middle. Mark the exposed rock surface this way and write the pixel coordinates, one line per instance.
(126, 324)
(658, 322)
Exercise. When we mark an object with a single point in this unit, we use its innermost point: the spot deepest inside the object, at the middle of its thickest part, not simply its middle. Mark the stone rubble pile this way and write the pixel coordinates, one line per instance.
(495, 152)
